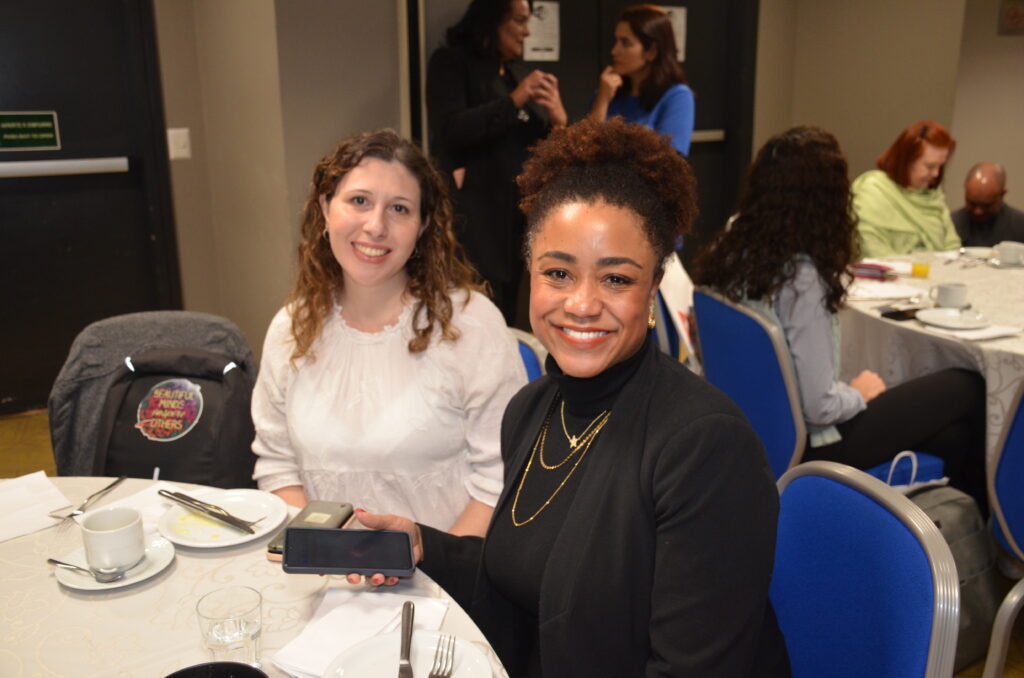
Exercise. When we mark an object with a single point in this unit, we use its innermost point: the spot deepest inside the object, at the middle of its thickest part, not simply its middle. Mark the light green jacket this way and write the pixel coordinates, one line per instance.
(894, 220)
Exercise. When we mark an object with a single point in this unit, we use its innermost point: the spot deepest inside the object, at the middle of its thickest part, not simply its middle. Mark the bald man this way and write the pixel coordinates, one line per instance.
(985, 219)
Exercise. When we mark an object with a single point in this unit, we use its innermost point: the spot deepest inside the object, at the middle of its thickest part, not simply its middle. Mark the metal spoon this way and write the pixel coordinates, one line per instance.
(101, 576)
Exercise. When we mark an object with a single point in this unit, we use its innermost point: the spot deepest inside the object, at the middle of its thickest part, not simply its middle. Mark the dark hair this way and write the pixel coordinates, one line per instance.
(651, 25)
(908, 147)
(796, 200)
(437, 269)
(623, 164)
(477, 30)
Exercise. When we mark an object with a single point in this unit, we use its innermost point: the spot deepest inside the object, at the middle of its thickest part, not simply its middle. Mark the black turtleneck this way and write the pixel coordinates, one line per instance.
(516, 556)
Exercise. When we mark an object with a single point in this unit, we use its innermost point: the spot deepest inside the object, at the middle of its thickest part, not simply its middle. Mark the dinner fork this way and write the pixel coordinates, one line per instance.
(444, 657)
(68, 518)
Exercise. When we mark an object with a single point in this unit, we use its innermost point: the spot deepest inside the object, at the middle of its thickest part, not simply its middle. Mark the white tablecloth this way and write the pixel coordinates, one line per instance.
(900, 351)
(149, 629)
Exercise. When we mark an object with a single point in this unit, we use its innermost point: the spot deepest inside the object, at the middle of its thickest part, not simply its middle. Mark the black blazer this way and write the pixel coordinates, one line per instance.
(663, 564)
(475, 125)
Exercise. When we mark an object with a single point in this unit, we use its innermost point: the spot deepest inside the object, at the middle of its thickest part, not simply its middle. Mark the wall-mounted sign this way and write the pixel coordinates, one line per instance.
(1011, 17)
(677, 15)
(542, 44)
(29, 131)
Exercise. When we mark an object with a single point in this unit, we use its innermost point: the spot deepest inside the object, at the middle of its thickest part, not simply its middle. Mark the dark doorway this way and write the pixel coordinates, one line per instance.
(721, 51)
(80, 247)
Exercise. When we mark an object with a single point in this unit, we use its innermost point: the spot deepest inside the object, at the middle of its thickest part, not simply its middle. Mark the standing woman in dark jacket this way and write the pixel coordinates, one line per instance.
(635, 535)
(483, 118)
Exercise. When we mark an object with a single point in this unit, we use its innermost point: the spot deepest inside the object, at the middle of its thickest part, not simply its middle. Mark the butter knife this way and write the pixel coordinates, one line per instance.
(404, 667)
(209, 510)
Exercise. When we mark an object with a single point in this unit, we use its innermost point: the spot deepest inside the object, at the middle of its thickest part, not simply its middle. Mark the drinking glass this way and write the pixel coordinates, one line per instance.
(230, 622)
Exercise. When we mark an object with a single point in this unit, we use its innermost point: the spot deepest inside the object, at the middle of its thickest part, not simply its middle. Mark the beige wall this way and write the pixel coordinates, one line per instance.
(266, 87)
(987, 113)
(776, 55)
(183, 107)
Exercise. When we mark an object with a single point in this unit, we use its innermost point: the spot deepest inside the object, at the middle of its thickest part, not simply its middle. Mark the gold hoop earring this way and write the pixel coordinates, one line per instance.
(650, 319)
(326, 235)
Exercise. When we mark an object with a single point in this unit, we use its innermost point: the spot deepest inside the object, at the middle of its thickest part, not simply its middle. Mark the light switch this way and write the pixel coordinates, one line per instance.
(179, 144)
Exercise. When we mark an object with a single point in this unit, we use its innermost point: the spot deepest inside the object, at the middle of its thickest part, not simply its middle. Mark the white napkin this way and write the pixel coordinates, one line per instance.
(346, 617)
(24, 503)
(151, 505)
(868, 290)
(990, 332)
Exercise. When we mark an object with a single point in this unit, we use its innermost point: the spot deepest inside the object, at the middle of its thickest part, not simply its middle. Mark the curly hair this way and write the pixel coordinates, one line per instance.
(435, 270)
(796, 201)
(652, 27)
(897, 160)
(623, 164)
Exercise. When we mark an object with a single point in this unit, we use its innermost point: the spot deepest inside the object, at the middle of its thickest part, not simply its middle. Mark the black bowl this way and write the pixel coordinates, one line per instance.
(218, 670)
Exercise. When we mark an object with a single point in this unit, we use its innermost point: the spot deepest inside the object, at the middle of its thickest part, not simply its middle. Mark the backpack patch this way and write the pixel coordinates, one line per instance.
(170, 410)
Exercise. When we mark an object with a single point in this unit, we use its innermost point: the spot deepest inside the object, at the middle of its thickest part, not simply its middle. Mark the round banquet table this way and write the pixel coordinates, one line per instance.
(149, 629)
(902, 350)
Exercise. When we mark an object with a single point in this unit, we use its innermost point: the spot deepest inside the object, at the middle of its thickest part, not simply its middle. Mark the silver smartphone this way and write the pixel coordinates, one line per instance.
(324, 514)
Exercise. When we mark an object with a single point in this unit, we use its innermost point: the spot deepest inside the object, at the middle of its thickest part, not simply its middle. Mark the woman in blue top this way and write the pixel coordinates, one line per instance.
(645, 83)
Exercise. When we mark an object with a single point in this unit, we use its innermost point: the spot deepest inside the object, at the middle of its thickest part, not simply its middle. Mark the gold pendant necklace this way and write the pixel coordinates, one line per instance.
(539, 445)
(576, 441)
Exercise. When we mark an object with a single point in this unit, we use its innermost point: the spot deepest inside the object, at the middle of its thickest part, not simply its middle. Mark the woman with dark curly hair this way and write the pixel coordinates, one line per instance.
(786, 254)
(900, 206)
(368, 390)
(645, 82)
(636, 531)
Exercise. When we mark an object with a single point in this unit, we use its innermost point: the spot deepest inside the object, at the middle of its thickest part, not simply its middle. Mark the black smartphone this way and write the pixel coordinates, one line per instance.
(899, 313)
(312, 550)
(314, 514)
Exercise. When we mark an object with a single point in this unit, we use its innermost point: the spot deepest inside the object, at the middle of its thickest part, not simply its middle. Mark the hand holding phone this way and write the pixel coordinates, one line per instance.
(311, 550)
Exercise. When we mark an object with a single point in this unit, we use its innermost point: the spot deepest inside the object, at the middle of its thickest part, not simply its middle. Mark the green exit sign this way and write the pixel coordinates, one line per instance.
(29, 131)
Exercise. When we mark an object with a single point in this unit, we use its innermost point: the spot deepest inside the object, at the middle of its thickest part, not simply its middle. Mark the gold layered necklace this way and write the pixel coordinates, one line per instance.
(581, 444)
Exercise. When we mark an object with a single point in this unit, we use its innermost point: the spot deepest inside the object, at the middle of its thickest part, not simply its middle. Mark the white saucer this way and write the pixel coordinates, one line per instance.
(377, 657)
(187, 528)
(159, 554)
(953, 318)
(996, 263)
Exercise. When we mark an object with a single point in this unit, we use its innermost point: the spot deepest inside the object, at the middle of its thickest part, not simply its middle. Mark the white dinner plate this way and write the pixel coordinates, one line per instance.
(953, 318)
(977, 252)
(187, 528)
(159, 554)
(377, 657)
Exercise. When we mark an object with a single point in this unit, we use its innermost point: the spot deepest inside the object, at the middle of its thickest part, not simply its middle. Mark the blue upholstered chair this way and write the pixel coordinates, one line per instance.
(746, 357)
(864, 583)
(1006, 499)
(531, 351)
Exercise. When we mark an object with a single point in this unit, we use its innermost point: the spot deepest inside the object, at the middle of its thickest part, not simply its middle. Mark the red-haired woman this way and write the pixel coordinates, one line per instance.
(645, 83)
(384, 378)
(900, 206)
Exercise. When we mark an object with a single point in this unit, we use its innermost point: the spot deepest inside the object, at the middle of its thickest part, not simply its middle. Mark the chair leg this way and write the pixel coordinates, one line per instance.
(1002, 630)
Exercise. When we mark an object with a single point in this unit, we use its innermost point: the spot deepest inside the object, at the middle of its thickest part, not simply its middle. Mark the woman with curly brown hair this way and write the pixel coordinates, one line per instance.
(635, 534)
(369, 389)
(786, 254)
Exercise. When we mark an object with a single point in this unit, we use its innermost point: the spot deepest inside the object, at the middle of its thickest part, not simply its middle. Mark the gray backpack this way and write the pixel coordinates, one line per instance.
(957, 516)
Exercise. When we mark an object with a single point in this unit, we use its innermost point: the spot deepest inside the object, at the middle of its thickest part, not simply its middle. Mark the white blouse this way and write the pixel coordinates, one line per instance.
(365, 421)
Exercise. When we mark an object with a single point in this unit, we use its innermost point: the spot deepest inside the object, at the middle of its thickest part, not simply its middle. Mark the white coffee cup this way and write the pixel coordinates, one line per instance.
(1011, 253)
(113, 538)
(949, 295)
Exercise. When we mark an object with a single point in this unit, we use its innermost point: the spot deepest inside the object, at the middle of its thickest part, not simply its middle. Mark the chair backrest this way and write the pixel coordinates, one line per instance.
(531, 351)
(1005, 482)
(96, 357)
(864, 583)
(745, 356)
